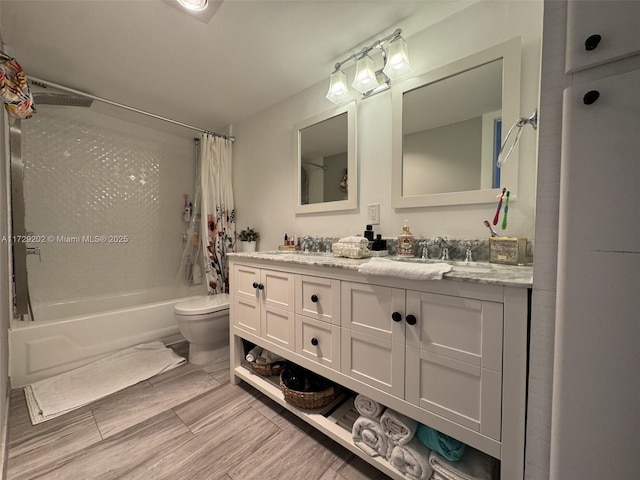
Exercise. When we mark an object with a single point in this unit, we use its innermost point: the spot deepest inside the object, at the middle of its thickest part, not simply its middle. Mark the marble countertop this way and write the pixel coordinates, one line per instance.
(476, 272)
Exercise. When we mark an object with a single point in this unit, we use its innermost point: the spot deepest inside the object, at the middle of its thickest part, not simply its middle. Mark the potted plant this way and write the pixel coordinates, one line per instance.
(249, 236)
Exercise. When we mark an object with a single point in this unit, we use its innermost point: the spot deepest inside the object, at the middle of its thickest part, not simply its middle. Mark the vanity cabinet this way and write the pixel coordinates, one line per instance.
(439, 352)
(449, 354)
(262, 304)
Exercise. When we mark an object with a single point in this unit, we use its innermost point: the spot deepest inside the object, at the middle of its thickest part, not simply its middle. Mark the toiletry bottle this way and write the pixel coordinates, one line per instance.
(368, 233)
(286, 239)
(406, 242)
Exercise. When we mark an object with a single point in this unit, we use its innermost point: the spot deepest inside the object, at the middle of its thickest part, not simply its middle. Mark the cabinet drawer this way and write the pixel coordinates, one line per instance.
(319, 341)
(318, 298)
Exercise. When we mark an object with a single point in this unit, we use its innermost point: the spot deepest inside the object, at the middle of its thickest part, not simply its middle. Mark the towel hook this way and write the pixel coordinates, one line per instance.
(521, 122)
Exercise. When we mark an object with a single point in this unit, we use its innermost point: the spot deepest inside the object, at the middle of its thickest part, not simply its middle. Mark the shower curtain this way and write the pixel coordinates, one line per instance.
(218, 214)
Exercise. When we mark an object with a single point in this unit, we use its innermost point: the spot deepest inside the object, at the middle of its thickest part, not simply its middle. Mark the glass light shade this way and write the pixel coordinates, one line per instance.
(365, 79)
(194, 4)
(397, 60)
(338, 89)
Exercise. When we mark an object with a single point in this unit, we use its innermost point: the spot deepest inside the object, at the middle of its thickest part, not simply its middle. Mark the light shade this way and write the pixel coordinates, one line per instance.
(338, 89)
(193, 4)
(398, 59)
(365, 79)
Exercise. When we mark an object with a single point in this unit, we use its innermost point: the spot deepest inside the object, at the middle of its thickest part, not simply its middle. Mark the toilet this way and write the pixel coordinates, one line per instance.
(204, 322)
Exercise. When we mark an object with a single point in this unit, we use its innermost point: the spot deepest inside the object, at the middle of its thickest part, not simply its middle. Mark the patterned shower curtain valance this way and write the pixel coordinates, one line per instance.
(14, 89)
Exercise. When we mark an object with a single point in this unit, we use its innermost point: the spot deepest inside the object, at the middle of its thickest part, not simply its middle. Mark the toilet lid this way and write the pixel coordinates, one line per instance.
(204, 304)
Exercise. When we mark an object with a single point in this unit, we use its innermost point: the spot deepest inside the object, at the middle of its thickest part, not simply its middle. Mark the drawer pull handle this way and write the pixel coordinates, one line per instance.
(255, 284)
(314, 342)
(592, 42)
(396, 317)
(260, 286)
(411, 319)
(590, 97)
(314, 298)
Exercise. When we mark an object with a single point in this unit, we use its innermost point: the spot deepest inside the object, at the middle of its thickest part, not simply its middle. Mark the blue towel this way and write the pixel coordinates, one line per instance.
(448, 447)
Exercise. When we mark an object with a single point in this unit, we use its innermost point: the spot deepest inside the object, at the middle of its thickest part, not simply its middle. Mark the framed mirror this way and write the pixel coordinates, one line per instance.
(325, 166)
(448, 126)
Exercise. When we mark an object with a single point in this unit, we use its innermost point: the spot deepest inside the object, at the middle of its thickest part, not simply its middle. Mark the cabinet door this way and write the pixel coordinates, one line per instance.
(246, 298)
(277, 317)
(616, 23)
(318, 341)
(372, 343)
(278, 289)
(454, 359)
(318, 298)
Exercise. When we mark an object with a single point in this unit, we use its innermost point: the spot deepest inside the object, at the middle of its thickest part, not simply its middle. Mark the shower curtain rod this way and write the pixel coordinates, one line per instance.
(45, 83)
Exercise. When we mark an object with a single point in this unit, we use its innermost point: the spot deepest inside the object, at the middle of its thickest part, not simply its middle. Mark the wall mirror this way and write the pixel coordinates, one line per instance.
(325, 161)
(448, 126)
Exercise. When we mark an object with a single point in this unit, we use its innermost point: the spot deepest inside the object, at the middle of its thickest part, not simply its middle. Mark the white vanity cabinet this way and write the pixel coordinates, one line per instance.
(262, 304)
(451, 353)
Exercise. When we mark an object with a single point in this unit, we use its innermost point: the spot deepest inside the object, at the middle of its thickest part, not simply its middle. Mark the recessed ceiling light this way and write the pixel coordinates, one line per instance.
(193, 4)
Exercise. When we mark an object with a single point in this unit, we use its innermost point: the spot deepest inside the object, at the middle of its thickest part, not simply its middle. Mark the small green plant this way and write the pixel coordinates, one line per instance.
(248, 235)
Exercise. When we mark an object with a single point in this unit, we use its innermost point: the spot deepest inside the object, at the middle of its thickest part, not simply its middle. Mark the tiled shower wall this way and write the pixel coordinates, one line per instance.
(122, 184)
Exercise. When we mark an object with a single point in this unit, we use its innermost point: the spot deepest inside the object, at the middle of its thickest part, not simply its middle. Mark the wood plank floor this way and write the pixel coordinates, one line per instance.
(187, 423)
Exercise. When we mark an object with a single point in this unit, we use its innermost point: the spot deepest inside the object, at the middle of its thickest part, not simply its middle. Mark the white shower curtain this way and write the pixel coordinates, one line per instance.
(218, 214)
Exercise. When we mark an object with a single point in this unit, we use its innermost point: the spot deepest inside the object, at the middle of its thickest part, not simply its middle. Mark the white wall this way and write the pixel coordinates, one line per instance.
(263, 155)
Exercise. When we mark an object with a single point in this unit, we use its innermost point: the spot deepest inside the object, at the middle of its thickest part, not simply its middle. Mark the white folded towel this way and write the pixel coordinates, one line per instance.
(474, 465)
(350, 250)
(367, 407)
(271, 357)
(367, 436)
(412, 460)
(362, 241)
(412, 271)
(253, 354)
(398, 427)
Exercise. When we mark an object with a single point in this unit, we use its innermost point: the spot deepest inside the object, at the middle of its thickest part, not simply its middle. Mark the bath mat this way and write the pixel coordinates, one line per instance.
(55, 396)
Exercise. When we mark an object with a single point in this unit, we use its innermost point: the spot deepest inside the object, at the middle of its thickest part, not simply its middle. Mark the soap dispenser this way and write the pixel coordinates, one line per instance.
(406, 242)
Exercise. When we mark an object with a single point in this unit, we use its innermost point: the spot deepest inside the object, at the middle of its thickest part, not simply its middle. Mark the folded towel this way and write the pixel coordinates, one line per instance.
(271, 357)
(350, 250)
(474, 465)
(355, 239)
(367, 436)
(399, 428)
(412, 460)
(412, 271)
(448, 447)
(253, 354)
(367, 407)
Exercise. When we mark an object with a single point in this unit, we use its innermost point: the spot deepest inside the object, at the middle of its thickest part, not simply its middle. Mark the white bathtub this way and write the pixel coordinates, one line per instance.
(63, 337)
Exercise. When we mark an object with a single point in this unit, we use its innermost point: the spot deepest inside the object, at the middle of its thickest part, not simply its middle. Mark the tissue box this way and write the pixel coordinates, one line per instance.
(508, 250)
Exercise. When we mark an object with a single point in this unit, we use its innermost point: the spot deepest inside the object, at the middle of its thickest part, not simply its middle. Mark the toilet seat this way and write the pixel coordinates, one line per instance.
(206, 304)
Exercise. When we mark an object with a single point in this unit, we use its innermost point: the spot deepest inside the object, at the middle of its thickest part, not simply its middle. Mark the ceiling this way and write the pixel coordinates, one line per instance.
(152, 56)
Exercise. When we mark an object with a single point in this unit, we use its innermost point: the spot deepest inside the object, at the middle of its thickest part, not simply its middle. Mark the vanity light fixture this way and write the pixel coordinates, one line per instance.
(194, 4)
(367, 80)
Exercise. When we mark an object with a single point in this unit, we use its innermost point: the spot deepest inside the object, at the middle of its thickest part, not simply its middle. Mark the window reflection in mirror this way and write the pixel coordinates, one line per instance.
(325, 161)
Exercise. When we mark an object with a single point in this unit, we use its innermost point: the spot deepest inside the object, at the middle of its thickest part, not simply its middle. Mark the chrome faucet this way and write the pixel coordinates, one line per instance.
(444, 245)
(469, 246)
(424, 244)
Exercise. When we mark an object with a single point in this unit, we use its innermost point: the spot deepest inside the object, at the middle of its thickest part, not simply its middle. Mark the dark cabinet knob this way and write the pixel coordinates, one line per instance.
(396, 317)
(590, 97)
(592, 42)
(314, 341)
(411, 319)
(260, 286)
(255, 284)
(314, 298)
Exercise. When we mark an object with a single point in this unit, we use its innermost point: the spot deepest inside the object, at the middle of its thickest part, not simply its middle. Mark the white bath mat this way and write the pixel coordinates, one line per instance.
(52, 397)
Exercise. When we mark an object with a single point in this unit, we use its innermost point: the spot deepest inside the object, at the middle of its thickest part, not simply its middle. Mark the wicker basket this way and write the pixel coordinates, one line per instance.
(268, 369)
(308, 400)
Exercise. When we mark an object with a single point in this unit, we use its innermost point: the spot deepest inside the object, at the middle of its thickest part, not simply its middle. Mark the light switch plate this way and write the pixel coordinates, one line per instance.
(373, 214)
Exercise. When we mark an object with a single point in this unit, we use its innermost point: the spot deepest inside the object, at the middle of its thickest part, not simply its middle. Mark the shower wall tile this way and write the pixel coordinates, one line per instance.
(88, 174)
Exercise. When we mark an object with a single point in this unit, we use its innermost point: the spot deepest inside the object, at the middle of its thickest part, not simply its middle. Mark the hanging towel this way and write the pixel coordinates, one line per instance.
(398, 427)
(367, 407)
(412, 460)
(15, 91)
(474, 465)
(412, 271)
(367, 436)
(448, 447)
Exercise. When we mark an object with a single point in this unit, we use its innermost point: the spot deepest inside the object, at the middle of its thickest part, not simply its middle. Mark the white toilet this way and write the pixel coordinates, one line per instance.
(204, 322)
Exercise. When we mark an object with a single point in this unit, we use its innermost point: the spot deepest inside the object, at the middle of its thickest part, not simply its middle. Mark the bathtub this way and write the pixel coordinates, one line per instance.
(64, 336)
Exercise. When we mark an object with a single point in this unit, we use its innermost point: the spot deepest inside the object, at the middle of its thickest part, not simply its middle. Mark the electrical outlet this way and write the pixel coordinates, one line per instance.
(373, 214)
